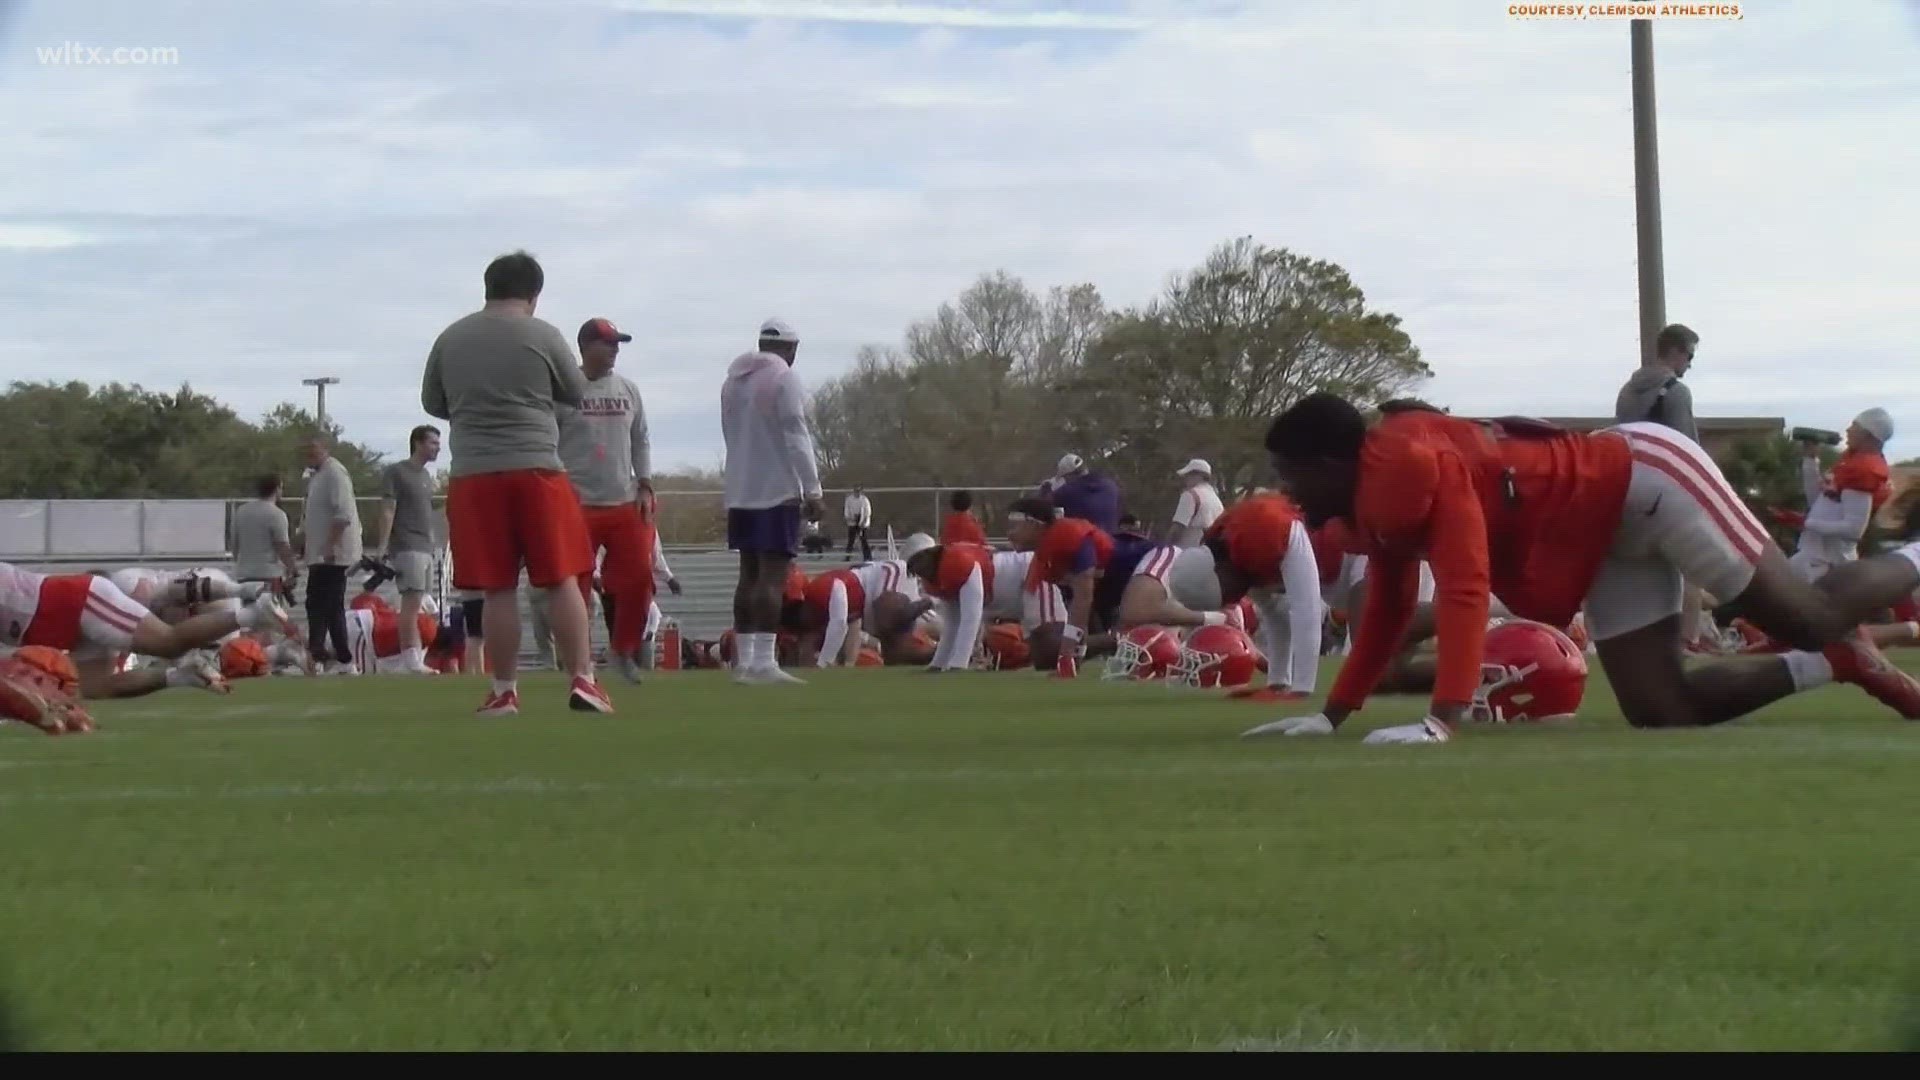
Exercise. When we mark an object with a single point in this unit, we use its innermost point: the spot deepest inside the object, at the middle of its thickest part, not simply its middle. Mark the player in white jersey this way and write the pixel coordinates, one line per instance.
(880, 598)
(971, 587)
(91, 618)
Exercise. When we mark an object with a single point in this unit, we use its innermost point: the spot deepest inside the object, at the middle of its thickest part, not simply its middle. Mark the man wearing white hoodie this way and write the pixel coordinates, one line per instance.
(771, 473)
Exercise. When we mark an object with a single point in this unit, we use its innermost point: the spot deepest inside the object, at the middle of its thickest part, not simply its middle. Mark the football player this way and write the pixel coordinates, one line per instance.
(1069, 554)
(1258, 549)
(90, 618)
(880, 598)
(1550, 519)
(971, 586)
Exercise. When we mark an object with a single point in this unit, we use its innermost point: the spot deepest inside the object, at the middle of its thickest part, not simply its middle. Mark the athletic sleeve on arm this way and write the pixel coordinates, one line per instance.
(1392, 583)
(661, 571)
(836, 635)
(1810, 480)
(1457, 552)
(1300, 577)
(949, 635)
(973, 601)
(1855, 508)
(796, 435)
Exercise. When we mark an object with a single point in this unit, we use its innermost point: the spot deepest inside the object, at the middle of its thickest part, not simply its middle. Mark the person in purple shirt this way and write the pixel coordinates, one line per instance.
(1091, 496)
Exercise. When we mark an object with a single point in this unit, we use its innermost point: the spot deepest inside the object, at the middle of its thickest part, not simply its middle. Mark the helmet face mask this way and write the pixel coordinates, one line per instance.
(1143, 653)
(1215, 656)
(1531, 674)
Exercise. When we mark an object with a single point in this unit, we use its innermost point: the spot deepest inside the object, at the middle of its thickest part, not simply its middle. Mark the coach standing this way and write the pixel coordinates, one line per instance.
(495, 377)
(603, 443)
(330, 524)
(1655, 393)
(770, 473)
(406, 537)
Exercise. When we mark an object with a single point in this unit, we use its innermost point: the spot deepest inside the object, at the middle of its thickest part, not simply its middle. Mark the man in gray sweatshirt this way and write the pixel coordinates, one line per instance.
(603, 442)
(1655, 392)
(496, 376)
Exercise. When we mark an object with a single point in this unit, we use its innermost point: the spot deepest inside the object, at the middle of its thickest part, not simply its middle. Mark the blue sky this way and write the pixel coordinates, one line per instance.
(314, 188)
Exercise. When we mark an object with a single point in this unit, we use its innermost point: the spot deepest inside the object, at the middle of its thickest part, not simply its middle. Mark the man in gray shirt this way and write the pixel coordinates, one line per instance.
(604, 444)
(262, 548)
(331, 525)
(406, 536)
(496, 376)
(1655, 392)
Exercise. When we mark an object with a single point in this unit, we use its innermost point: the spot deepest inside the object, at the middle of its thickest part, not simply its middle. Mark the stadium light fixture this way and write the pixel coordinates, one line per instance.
(320, 385)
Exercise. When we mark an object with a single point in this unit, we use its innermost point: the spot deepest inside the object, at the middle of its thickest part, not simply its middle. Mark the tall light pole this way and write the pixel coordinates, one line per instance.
(1646, 192)
(320, 391)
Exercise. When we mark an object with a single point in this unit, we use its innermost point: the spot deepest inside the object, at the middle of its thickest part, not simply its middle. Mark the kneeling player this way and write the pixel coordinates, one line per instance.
(878, 598)
(1549, 519)
(373, 638)
(971, 586)
(1069, 554)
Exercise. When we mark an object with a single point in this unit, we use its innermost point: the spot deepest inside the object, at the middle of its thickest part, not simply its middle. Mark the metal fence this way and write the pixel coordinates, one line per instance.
(78, 530)
(67, 534)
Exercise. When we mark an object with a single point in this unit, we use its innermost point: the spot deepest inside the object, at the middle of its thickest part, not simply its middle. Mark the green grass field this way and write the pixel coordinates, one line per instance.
(989, 862)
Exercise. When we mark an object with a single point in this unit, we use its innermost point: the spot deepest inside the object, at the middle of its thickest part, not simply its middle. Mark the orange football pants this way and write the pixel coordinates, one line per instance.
(627, 571)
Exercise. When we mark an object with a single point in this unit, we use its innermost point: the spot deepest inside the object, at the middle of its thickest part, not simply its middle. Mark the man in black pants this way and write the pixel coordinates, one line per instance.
(331, 524)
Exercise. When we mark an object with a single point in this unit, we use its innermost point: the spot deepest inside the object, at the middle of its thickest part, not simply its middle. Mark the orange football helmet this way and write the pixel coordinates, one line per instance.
(243, 658)
(1216, 656)
(1006, 647)
(1144, 652)
(869, 657)
(39, 686)
(1530, 673)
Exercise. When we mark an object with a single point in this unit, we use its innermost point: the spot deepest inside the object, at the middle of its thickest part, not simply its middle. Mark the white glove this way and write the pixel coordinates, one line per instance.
(1317, 724)
(1426, 731)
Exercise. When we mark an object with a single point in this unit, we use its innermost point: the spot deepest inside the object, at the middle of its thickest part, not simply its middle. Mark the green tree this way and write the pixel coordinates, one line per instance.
(73, 441)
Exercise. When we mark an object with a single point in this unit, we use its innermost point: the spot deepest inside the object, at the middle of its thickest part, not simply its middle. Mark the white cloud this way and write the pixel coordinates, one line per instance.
(320, 187)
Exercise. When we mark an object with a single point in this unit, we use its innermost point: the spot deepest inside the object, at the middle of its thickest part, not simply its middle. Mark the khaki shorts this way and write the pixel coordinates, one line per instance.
(413, 570)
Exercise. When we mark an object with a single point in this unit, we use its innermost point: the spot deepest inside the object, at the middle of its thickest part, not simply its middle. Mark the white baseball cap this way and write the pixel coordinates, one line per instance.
(777, 330)
(1197, 465)
(1067, 464)
(1877, 423)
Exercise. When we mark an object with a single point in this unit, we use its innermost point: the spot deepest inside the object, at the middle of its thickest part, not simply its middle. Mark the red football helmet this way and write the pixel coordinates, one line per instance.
(1144, 652)
(243, 658)
(1005, 646)
(1530, 673)
(1216, 656)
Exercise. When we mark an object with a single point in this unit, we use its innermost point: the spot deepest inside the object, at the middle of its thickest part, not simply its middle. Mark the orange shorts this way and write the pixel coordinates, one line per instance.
(499, 522)
(628, 541)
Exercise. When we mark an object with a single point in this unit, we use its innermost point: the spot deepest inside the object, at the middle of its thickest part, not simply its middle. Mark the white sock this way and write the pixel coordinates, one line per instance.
(505, 686)
(1808, 669)
(765, 653)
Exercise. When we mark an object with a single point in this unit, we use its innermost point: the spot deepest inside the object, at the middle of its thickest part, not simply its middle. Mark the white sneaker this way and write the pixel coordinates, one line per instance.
(268, 613)
(337, 668)
(769, 675)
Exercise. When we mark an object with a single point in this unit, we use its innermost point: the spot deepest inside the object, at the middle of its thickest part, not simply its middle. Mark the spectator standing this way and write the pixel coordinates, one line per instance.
(406, 537)
(495, 376)
(1080, 492)
(859, 514)
(1656, 391)
(262, 548)
(331, 528)
(771, 474)
(1198, 507)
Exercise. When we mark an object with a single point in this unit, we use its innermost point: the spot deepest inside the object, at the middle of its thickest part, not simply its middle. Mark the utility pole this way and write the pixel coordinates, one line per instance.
(1646, 192)
(320, 391)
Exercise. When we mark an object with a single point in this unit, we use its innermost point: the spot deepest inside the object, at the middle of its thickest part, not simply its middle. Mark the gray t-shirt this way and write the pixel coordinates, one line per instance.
(1655, 393)
(410, 487)
(259, 528)
(604, 441)
(495, 378)
(330, 502)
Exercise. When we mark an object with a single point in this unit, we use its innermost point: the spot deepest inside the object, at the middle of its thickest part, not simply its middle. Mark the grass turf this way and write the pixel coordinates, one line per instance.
(986, 862)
